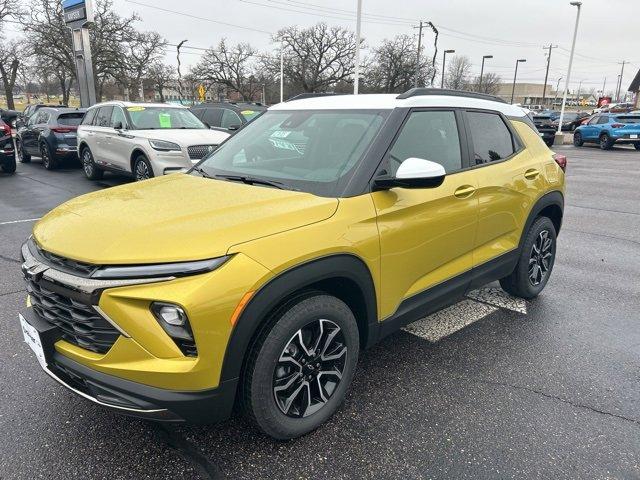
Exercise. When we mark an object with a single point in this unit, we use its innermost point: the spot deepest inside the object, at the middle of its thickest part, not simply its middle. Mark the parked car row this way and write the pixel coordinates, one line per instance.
(609, 129)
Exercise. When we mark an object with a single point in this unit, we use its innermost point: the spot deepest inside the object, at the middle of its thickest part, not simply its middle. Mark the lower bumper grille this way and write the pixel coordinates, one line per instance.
(79, 323)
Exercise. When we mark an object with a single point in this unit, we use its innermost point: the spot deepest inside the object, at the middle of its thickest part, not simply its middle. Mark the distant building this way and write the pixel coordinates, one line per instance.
(531, 94)
(634, 88)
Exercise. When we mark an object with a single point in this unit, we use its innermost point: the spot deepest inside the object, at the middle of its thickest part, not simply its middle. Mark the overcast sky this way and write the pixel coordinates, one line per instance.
(506, 29)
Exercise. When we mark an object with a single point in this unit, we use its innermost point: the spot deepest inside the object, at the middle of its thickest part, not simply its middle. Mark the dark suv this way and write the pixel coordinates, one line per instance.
(51, 135)
(228, 116)
(33, 109)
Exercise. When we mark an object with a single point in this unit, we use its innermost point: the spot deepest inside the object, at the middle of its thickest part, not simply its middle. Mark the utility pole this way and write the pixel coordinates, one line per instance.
(415, 83)
(603, 86)
(579, 91)
(356, 83)
(485, 57)
(578, 5)
(619, 87)
(546, 75)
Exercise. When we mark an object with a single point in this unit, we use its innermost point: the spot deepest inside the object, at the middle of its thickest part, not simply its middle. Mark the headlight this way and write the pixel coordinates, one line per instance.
(164, 146)
(179, 269)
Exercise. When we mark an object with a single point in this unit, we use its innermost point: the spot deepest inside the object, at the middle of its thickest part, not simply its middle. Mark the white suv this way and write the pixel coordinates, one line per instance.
(143, 139)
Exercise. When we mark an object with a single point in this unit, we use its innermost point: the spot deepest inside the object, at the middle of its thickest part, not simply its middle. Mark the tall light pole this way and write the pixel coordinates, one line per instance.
(546, 75)
(282, 70)
(356, 81)
(566, 84)
(444, 60)
(515, 75)
(619, 86)
(482, 70)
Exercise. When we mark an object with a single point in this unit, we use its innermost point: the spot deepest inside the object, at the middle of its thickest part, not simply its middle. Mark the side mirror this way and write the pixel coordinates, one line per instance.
(233, 128)
(413, 173)
(118, 125)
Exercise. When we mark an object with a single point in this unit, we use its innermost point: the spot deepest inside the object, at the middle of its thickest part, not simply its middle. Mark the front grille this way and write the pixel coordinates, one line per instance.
(67, 265)
(78, 322)
(198, 152)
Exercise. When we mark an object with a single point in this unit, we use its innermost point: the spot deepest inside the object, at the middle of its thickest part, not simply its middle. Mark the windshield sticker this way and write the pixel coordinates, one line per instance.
(165, 120)
(281, 134)
(136, 109)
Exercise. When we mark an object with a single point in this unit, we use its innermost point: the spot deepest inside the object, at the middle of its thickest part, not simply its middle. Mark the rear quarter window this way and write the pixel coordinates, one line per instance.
(492, 140)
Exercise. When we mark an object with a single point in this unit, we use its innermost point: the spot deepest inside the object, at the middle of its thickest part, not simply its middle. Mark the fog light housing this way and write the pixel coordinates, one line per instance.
(174, 321)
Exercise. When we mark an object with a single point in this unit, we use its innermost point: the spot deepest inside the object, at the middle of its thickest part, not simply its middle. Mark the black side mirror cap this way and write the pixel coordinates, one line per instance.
(387, 182)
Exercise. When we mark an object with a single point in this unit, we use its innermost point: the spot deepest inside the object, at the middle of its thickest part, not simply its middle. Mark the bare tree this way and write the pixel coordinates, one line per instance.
(144, 50)
(393, 66)
(161, 76)
(316, 58)
(9, 63)
(458, 73)
(233, 66)
(490, 83)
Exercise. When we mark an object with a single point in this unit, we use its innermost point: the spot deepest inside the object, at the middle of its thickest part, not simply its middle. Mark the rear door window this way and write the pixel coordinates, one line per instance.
(491, 138)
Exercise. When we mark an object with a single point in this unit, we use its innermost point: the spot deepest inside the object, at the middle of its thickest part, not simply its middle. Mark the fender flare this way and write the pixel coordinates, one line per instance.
(286, 285)
(551, 199)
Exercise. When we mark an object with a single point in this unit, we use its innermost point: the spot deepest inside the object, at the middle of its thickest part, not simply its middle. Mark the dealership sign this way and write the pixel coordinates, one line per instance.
(77, 13)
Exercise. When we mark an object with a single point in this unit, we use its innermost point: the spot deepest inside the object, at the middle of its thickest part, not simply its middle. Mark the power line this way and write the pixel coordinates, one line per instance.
(198, 17)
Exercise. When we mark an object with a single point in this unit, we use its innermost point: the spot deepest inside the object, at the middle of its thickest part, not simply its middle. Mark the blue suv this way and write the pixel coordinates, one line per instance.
(609, 129)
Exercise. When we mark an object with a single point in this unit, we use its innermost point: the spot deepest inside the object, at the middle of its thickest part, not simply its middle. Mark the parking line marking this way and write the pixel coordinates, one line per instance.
(450, 320)
(20, 221)
(499, 298)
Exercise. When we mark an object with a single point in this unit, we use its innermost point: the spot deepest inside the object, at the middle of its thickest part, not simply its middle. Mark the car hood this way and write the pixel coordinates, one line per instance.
(173, 218)
(184, 137)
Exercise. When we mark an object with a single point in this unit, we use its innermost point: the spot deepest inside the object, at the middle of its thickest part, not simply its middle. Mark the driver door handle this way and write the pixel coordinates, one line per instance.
(464, 191)
(531, 174)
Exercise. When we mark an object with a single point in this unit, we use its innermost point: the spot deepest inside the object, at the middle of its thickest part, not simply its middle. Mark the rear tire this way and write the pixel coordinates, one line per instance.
(89, 166)
(23, 156)
(48, 161)
(9, 165)
(577, 139)
(142, 169)
(301, 366)
(535, 263)
(605, 142)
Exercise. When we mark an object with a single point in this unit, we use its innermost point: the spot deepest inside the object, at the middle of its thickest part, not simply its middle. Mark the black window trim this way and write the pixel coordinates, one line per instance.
(516, 141)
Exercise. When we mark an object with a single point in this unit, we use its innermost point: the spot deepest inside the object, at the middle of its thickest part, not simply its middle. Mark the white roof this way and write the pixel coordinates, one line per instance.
(390, 101)
(137, 104)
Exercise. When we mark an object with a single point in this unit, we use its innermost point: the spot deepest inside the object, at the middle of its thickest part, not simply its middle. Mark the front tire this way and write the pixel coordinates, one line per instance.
(89, 166)
(301, 366)
(23, 156)
(578, 141)
(535, 263)
(142, 169)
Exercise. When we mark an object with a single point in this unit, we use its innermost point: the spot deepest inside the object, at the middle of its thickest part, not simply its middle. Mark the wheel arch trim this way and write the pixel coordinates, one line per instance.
(287, 284)
(551, 199)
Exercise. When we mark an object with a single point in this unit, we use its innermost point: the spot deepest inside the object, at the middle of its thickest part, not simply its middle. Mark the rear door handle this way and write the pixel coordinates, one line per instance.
(464, 191)
(531, 174)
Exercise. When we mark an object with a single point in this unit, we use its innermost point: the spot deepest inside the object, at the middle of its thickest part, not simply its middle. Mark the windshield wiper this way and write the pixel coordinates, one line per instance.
(255, 181)
(202, 172)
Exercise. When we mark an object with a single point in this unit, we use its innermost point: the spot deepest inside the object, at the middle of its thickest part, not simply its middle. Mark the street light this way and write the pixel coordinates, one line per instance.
(515, 75)
(557, 88)
(356, 80)
(482, 70)
(566, 84)
(444, 60)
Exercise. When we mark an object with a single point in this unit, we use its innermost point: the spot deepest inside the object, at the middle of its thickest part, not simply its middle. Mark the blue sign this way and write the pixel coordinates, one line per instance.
(77, 12)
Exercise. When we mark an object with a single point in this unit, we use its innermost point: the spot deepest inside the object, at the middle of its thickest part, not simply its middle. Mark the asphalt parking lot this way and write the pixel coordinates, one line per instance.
(491, 388)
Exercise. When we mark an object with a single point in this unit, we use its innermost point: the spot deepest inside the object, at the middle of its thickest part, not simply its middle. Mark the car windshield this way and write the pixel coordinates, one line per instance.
(152, 118)
(628, 119)
(70, 119)
(314, 151)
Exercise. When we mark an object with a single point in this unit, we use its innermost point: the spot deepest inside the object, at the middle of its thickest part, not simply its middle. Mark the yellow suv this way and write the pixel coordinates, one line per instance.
(255, 279)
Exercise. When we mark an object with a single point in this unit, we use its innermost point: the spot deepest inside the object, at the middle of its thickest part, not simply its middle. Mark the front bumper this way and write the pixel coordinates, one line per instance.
(132, 398)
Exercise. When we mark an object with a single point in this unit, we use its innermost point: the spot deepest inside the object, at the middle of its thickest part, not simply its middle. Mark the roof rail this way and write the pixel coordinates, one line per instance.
(303, 96)
(415, 92)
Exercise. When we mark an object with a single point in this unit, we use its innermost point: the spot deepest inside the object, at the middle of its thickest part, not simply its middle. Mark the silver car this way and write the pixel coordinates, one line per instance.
(142, 139)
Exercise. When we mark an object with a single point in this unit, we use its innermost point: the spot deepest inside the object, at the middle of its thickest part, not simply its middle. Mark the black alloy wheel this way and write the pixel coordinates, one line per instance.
(47, 159)
(142, 169)
(22, 155)
(309, 369)
(540, 258)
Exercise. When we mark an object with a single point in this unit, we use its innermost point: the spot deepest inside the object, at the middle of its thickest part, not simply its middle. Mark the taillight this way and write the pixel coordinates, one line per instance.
(64, 129)
(561, 160)
(6, 129)
(617, 125)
